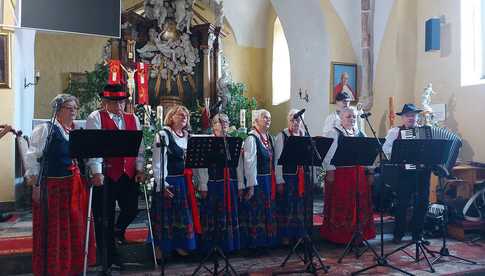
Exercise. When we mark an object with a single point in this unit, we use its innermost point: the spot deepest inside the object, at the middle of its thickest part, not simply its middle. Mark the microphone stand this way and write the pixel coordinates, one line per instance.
(216, 251)
(381, 260)
(161, 174)
(42, 183)
(309, 248)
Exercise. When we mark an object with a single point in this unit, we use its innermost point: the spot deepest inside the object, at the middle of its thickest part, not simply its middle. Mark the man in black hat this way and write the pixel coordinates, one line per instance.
(121, 176)
(407, 177)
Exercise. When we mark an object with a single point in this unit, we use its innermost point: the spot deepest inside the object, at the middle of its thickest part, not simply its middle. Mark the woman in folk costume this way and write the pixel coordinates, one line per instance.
(219, 204)
(67, 196)
(257, 216)
(180, 211)
(290, 186)
(340, 187)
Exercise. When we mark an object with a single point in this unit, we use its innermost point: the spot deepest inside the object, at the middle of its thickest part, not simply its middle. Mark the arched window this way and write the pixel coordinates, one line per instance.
(281, 65)
(472, 42)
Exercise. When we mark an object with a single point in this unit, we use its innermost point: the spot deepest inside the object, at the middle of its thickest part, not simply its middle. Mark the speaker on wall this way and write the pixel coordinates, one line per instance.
(433, 31)
(96, 17)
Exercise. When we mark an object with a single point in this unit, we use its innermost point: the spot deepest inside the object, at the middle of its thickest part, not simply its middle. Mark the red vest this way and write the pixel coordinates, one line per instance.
(117, 166)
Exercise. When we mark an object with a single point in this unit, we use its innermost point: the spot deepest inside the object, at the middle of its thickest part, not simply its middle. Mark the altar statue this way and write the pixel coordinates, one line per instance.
(426, 97)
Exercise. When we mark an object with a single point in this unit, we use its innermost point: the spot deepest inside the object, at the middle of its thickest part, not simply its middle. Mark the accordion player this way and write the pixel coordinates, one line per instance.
(412, 180)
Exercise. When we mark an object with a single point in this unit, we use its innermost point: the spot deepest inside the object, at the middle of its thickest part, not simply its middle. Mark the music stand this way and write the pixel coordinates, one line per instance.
(214, 152)
(304, 148)
(424, 153)
(96, 143)
(356, 151)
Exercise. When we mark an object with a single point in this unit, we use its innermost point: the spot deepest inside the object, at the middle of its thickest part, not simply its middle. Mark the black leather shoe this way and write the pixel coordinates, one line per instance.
(120, 237)
(4, 217)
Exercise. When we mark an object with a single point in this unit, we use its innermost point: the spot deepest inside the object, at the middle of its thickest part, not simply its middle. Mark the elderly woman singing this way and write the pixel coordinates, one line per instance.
(257, 216)
(67, 196)
(340, 188)
(219, 204)
(290, 183)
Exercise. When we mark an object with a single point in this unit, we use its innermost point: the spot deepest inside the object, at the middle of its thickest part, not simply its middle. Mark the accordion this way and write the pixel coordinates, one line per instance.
(427, 132)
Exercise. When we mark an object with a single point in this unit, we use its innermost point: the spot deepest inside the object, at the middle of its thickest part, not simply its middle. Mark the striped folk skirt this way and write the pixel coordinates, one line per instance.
(257, 219)
(178, 224)
(66, 227)
(219, 217)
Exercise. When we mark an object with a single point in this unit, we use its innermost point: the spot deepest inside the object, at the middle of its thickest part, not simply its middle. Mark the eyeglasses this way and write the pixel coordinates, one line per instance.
(71, 108)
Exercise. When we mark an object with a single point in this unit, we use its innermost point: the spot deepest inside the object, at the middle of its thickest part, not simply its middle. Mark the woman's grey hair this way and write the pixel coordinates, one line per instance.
(61, 99)
(346, 110)
(292, 113)
(220, 116)
(259, 114)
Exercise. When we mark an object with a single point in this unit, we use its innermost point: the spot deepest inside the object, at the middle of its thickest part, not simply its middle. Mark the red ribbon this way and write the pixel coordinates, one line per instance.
(301, 181)
(227, 189)
(192, 201)
(142, 82)
(114, 76)
(273, 180)
(113, 94)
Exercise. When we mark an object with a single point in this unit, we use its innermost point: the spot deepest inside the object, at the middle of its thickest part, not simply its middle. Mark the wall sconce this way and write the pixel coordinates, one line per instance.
(36, 81)
(306, 98)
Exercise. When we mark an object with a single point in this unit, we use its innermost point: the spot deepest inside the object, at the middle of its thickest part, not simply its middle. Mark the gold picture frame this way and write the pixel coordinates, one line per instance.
(5, 60)
(337, 70)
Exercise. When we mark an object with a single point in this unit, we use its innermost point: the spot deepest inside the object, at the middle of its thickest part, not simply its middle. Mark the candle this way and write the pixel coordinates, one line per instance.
(242, 118)
(254, 114)
(147, 115)
(160, 113)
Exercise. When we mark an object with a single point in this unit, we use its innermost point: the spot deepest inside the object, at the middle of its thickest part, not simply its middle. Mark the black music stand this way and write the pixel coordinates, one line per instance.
(214, 152)
(356, 151)
(424, 153)
(95, 143)
(304, 149)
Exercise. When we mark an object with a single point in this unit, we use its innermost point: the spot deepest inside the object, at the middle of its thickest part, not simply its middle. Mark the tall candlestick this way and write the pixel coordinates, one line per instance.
(242, 118)
(392, 115)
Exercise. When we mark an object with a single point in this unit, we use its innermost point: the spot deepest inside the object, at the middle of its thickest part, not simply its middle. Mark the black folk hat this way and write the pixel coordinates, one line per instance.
(342, 96)
(113, 92)
(409, 108)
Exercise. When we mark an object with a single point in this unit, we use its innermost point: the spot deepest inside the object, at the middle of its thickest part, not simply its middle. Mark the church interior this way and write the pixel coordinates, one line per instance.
(241, 57)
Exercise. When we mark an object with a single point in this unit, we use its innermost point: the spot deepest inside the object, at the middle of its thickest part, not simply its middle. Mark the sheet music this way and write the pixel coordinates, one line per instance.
(408, 134)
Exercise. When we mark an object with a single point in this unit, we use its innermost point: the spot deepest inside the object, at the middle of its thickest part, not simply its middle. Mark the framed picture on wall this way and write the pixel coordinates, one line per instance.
(343, 79)
(4, 60)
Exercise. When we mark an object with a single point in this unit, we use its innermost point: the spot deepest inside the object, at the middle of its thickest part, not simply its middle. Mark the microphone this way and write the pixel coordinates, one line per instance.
(215, 108)
(298, 114)
(56, 103)
(365, 115)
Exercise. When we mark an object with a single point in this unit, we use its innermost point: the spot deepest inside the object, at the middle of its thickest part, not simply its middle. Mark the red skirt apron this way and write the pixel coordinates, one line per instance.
(339, 212)
(66, 226)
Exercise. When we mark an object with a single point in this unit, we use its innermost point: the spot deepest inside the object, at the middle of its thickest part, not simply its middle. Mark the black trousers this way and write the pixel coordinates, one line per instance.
(125, 192)
(412, 182)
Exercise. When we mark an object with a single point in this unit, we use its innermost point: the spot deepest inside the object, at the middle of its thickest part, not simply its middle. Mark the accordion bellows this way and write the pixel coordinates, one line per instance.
(428, 132)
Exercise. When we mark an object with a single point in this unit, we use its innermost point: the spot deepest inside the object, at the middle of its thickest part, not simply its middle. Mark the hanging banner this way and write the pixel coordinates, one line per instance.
(142, 82)
(114, 76)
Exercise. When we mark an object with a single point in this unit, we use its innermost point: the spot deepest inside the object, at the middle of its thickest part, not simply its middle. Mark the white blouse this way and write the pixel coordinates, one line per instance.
(180, 141)
(250, 160)
(38, 141)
